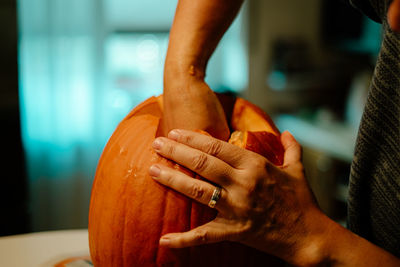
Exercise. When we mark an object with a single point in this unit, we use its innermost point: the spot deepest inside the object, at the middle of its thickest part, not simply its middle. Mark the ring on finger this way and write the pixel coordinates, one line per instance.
(215, 197)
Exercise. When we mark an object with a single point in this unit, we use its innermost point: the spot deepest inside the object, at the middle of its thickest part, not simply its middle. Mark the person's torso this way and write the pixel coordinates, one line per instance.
(374, 195)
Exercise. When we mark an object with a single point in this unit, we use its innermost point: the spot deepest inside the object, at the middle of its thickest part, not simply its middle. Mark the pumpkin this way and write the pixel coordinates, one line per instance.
(394, 15)
(129, 212)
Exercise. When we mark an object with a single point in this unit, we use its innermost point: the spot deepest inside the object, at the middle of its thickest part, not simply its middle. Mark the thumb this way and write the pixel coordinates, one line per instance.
(292, 149)
(204, 234)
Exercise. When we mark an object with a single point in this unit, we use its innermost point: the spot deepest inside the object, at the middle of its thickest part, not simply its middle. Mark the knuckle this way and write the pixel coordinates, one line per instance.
(253, 183)
(170, 150)
(260, 162)
(263, 167)
(199, 162)
(269, 169)
(200, 236)
(213, 148)
(196, 191)
(168, 178)
(229, 176)
(187, 139)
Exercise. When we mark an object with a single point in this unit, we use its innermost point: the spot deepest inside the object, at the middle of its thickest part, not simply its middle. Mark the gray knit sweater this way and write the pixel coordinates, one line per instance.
(374, 197)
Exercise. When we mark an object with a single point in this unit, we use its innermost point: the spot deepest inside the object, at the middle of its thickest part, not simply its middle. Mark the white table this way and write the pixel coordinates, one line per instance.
(42, 249)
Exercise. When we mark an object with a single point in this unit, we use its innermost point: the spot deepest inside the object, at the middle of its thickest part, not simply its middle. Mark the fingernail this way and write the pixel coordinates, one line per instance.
(154, 171)
(164, 241)
(174, 135)
(157, 144)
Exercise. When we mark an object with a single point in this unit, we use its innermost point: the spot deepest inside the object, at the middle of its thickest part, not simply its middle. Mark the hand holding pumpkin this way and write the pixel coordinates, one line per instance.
(189, 94)
(267, 207)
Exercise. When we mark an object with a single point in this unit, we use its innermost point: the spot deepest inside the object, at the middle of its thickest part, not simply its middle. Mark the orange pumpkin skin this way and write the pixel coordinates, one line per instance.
(129, 211)
(394, 15)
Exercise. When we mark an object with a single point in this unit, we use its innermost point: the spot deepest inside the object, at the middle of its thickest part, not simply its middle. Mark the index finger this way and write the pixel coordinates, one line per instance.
(231, 154)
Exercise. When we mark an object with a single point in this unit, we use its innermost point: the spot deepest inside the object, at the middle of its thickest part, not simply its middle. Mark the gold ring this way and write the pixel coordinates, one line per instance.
(215, 197)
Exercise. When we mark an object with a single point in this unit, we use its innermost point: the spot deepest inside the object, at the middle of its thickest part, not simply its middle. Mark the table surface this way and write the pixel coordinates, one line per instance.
(42, 249)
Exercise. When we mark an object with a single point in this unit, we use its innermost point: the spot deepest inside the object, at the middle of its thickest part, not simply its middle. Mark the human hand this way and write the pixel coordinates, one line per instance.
(189, 103)
(196, 31)
(261, 205)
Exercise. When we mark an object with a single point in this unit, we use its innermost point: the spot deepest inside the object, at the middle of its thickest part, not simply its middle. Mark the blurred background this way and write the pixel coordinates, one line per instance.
(71, 70)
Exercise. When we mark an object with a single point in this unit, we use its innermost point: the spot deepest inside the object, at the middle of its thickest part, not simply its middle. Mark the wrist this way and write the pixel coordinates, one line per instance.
(178, 66)
(316, 246)
(176, 69)
(334, 245)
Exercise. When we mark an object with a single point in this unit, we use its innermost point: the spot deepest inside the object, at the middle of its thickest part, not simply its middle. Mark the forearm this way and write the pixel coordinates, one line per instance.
(349, 249)
(330, 244)
(197, 28)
